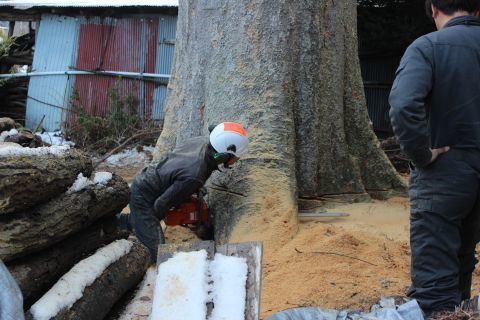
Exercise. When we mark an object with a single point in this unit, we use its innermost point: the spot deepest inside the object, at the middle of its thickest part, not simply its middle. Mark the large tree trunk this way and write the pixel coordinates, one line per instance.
(288, 71)
(98, 298)
(37, 273)
(49, 223)
(28, 180)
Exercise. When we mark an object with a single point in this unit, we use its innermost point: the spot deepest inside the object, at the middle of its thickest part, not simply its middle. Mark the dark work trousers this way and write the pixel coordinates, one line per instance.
(444, 229)
(145, 223)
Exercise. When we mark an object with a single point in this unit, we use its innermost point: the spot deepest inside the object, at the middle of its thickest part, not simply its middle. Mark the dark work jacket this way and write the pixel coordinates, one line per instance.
(177, 176)
(435, 98)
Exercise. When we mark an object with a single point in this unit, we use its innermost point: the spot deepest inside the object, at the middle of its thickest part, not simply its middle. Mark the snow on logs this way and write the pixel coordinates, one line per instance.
(48, 265)
(52, 216)
(95, 284)
(29, 176)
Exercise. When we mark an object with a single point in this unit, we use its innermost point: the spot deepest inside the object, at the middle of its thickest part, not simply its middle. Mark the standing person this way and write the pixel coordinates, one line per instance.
(435, 114)
(157, 188)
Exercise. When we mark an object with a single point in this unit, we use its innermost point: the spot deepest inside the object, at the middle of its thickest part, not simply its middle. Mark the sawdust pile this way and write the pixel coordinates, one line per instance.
(340, 263)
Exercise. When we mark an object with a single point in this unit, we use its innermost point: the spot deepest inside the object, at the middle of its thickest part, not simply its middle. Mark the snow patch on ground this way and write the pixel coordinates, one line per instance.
(19, 151)
(70, 287)
(82, 182)
(130, 156)
(54, 138)
(6, 134)
(182, 287)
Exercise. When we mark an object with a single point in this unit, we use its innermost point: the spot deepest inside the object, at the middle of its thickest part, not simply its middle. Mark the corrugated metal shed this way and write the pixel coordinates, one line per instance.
(378, 73)
(27, 4)
(135, 43)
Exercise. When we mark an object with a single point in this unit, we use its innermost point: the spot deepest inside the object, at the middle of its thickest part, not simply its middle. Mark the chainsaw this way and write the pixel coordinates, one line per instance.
(193, 211)
(192, 214)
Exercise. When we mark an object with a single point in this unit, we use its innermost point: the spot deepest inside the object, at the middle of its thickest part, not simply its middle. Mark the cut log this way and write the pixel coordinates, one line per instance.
(98, 298)
(27, 180)
(6, 124)
(140, 307)
(49, 223)
(37, 273)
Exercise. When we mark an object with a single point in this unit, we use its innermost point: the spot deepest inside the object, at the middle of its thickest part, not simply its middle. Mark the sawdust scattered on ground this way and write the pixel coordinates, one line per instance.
(339, 263)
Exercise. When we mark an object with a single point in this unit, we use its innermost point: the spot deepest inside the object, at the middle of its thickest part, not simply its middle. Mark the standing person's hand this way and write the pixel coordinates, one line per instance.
(437, 152)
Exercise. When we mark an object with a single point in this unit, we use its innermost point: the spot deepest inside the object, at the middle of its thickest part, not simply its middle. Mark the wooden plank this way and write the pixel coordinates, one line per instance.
(253, 252)
(166, 251)
(315, 215)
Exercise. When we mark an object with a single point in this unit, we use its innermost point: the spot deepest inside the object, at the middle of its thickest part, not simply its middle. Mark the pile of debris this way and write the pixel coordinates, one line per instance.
(54, 212)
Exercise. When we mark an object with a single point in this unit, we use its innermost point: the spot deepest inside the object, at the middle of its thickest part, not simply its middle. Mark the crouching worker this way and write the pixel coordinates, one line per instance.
(181, 173)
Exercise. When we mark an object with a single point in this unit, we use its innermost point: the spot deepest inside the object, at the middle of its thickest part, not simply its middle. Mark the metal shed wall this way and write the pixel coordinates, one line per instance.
(132, 44)
(56, 50)
(378, 74)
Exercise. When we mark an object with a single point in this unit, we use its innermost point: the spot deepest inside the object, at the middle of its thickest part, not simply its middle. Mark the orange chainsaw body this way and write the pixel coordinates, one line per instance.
(187, 213)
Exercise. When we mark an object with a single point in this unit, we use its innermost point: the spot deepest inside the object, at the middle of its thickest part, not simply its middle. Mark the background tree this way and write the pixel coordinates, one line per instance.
(289, 71)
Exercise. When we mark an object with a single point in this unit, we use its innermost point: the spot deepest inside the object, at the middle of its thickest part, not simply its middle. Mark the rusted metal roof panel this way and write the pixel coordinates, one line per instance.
(108, 44)
(56, 49)
(128, 44)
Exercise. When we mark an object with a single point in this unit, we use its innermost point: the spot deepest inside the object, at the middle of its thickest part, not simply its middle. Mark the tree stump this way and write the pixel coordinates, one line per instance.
(289, 72)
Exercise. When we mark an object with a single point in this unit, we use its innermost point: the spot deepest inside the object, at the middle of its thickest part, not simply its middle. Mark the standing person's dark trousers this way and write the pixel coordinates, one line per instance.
(445, 219)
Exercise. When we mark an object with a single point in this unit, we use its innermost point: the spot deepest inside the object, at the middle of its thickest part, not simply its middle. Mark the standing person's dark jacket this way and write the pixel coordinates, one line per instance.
(177, 176)
(432, 103)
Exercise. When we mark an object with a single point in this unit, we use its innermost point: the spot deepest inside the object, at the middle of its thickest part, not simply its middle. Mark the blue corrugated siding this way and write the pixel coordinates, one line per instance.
(55, 50)
(166, 33)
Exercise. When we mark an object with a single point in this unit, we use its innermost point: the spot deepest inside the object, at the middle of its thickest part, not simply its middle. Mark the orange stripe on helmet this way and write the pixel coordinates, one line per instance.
(235, 127)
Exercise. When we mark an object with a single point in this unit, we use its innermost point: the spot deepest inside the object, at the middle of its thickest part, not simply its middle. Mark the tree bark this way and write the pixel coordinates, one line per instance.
(37, 273)
(26, 181)
(49, 223)
(289, 71)
(98, 298)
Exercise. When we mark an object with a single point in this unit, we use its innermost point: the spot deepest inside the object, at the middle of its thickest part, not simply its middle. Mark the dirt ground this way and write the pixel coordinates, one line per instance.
(340, 263)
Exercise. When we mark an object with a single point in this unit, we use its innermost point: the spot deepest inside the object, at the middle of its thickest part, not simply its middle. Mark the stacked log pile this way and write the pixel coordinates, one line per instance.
(52, 216)
(13, 92)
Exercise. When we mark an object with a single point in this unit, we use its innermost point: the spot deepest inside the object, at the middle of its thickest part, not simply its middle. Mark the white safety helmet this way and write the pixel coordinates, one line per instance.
(229, 137)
